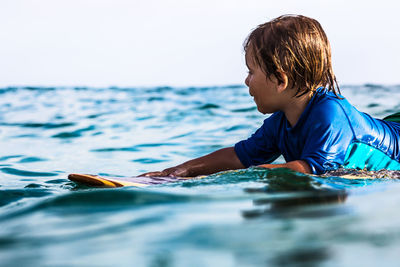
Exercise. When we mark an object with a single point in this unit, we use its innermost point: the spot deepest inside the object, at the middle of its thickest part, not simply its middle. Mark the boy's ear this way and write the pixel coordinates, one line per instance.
(283, 81)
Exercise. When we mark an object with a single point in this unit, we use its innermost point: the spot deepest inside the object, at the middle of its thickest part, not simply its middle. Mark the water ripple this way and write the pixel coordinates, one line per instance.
(24, 173)
(112, 149)
(208, 106)
(74, 134)
(10, 157)
(149, 160)
(31, 159)
(40, 125)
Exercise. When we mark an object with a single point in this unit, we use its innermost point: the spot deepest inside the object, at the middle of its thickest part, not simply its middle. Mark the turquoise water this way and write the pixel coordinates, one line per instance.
(252, 217)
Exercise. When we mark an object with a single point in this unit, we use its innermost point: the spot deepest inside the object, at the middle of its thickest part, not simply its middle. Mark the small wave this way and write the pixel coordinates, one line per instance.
(149, 160)
(240, 110)
(95, 116)
(26, 136)
(31, 159)
(56, 181)
(238, 127)
(18, 172)
(373, 105)
(182, 135)
(34, 185)
(40, 125)
(12, 195)
(10, 157)
(134, 148)
(112, 149)
(208, 106)
(157, 145)
(74, 134)
(155, 98)
(161, 89)
(144, 118)
(28, 88)
(373, 86)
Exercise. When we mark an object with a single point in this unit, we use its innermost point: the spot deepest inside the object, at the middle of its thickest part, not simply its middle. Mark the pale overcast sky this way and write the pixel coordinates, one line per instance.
(180, 43)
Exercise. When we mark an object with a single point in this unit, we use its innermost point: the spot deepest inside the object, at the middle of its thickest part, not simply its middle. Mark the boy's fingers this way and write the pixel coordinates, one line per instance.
(172, 172)
(152, 174)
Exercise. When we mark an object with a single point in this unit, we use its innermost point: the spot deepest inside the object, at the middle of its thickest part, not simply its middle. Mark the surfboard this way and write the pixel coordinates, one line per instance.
(142, 181)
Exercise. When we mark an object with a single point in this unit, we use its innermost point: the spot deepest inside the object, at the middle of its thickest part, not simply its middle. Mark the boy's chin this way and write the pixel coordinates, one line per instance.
(264, 110)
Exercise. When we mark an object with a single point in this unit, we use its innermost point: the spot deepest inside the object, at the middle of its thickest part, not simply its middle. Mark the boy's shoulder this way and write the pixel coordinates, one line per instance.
(326, 106)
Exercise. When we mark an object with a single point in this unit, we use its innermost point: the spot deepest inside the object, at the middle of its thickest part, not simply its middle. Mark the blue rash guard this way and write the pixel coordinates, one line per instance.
(330, 133)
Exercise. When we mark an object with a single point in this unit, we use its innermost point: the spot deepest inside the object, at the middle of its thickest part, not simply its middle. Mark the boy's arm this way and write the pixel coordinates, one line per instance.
(220, 160)
(296, 165)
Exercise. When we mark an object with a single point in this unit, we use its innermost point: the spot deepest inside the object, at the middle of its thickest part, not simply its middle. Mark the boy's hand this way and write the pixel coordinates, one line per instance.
(171, 172)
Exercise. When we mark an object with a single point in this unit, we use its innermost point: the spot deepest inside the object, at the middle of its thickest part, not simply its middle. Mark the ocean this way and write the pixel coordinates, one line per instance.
(252, 217)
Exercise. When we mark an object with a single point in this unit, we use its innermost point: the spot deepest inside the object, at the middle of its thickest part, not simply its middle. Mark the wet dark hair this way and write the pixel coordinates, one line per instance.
(298, 46)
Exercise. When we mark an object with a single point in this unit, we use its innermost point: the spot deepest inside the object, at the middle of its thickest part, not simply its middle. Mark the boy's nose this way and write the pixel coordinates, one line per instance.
(246, 81)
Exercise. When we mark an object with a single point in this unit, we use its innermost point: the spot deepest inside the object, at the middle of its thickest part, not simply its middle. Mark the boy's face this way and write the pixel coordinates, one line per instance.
(265, 90)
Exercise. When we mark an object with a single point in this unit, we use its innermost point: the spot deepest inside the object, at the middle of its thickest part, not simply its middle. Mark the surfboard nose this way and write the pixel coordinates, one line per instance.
(92, 180)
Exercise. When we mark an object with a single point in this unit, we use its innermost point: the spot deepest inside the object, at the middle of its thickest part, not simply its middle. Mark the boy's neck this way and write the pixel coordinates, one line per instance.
(295, 107)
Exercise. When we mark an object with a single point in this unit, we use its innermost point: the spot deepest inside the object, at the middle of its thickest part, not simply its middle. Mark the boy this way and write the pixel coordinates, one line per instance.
(312, 126)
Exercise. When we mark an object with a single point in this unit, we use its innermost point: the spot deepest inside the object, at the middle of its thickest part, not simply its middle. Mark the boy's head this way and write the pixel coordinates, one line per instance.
(296, 46)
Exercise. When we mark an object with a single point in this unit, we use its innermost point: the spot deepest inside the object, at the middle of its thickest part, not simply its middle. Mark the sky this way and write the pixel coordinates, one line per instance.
(148, 43)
